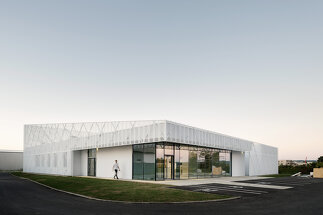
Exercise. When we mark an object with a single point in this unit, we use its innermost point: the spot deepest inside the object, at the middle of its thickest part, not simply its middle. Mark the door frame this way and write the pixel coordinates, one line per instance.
(172, 167)
(88, 166)
(93, 158)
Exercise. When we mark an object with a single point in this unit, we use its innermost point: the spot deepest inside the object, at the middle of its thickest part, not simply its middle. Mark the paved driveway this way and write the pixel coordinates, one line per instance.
(251, 188)
(18, 196)
(224, 189)
(285, 181)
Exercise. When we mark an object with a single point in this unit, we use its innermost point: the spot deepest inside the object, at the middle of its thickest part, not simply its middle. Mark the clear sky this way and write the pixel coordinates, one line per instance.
(251, 69)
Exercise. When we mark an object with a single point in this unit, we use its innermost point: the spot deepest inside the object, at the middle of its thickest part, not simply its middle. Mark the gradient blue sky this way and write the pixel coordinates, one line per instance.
(251, 69)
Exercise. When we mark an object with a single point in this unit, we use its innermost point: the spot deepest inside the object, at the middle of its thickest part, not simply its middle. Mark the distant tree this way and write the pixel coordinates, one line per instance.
(319, 163)
(320, 159)
(312, 165)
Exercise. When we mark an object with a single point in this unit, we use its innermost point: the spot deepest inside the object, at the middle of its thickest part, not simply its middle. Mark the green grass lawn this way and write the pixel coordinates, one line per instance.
(277, 175)
(119, 190)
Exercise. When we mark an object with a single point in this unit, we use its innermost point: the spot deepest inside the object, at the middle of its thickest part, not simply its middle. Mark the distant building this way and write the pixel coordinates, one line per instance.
(318, 172)
(294, 162)
(11, 160)
(286, 162)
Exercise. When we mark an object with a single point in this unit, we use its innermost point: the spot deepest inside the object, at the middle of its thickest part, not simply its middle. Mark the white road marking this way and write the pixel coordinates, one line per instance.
(207, 188)
(285, 183)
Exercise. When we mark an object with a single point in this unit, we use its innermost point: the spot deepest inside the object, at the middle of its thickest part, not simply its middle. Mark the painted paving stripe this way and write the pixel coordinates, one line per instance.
(234, 188)
(227, 186)
(219, 189)
(229, 189)
(286, 183)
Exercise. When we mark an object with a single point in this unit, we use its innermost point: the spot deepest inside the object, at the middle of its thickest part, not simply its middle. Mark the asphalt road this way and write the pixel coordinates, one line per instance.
(18, 196)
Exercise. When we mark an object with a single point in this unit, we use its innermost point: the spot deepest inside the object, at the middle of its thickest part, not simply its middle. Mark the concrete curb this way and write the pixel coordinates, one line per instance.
(127, 202)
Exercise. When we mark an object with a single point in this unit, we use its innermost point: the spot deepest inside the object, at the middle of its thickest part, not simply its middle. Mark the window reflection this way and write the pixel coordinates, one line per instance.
(186, 161)
(159, 161)
(149, 161)
(177, 163)
(138, 158)
(192, 165)
(208, 163)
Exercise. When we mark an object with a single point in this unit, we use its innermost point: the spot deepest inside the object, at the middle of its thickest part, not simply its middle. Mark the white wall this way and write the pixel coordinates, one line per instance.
(238, 163)
(57, 163)
(80, 163)
(77, 163)
(263, 160)
(11, 160)
(105, 159)
(246, 161)
(84, 162)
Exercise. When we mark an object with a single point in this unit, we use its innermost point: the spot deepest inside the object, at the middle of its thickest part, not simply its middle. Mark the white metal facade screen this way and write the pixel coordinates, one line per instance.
(48, 147)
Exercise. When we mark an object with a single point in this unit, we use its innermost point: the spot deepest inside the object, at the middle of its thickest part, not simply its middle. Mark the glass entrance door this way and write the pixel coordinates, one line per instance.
(91, 162)
(91, 167)
(168, 167)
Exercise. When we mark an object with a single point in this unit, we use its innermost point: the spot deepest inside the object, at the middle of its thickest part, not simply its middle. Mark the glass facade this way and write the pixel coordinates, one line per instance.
(183, 162)
(192, 162)
(149, 161)
(162, 161)
(143, 160)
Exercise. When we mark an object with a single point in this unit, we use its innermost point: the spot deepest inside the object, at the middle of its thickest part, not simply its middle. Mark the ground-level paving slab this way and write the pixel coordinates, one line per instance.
(254, 187)
(250, 188)
(225, 189)
(233, 181)
(285, 181)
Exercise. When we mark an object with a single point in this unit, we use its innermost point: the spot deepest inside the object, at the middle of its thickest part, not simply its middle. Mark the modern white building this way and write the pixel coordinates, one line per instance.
(148, 150)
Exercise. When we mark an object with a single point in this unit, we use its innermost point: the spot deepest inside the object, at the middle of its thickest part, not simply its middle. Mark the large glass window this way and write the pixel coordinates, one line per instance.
(207, 162)
(216, 168)
(200, 162)
(138, 162)
(149, 161)
(169, 149)
(225, 162)
(144, 161)
(184, 162)
(192, 165)
(177, 163)
(159, 161)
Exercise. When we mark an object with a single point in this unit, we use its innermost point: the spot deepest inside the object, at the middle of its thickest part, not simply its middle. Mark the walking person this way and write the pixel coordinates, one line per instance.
(116, 169)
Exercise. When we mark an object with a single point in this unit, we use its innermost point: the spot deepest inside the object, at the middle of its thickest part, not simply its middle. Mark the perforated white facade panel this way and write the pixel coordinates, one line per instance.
(180, 133)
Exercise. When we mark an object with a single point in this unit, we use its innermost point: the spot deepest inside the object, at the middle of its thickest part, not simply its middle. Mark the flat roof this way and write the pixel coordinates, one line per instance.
(11, 151)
